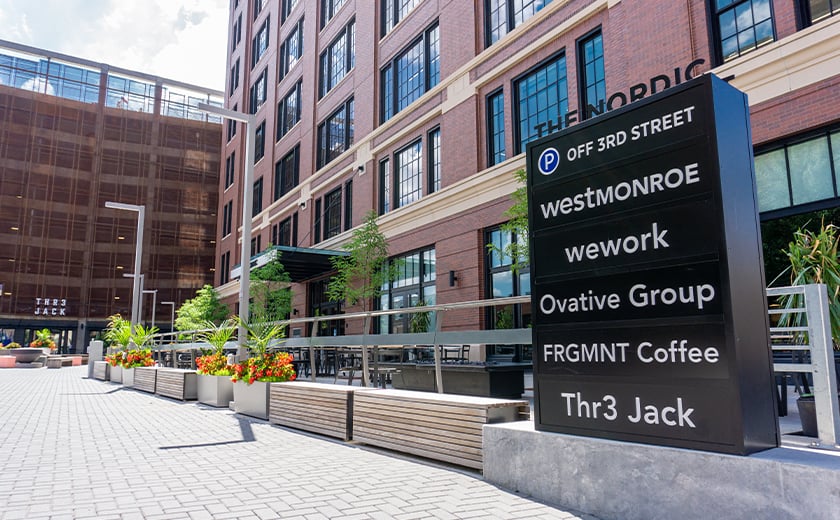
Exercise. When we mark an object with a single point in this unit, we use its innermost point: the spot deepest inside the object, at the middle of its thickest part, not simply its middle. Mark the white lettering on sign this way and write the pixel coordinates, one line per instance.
(641, 296)
(668, 415)
(629, 245)
(50, 307)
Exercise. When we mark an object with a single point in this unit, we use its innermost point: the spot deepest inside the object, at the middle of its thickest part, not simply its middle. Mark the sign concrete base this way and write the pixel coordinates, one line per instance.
(622, 480)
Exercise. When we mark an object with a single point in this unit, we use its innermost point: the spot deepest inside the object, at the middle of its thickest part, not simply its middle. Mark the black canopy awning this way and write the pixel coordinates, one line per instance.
(303, 263)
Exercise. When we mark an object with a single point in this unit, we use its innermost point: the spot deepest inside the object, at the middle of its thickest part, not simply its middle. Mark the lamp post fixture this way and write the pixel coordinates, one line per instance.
(153, 292)
(247, 208)
(138, 255)
(172, 321)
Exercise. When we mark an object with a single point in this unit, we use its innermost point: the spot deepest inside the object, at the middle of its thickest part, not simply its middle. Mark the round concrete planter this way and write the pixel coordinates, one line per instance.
(24, 354)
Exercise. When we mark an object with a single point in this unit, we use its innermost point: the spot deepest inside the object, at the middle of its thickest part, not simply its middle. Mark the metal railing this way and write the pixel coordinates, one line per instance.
(812, 339)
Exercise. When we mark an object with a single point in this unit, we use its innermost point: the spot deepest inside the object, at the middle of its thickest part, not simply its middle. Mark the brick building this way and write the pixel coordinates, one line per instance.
(421, 110)
(73, 135)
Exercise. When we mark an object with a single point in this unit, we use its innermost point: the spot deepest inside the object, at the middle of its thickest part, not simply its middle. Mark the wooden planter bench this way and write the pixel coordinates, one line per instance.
(177, 383)
(443, 427)
(101, 370)
(145, 379)
(314, 407)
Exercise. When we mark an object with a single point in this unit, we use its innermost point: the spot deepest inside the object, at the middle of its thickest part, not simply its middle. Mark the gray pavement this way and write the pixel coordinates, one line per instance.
(72, 447)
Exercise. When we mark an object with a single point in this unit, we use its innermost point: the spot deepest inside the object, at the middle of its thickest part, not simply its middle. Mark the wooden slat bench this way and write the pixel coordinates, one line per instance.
(101, 370)
(444, 427)
(177, 383)
(145, 379)
(314, 407)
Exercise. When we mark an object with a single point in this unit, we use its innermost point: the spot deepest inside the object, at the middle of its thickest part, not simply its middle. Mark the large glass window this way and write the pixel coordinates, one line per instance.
(285, 233)
(259, 91)
(328, 9)
(742, 25)
(234, 77)
(503, 16)
(258, 7)
(384, 186)
(541, 99)
(260, 43)
(411, 73)
(256, 208)
(288, 111)
(332, 213)
(798, 173)
(335, 135)
(286, 176)
(409, 171)
(434, 160)
(593, 85)
(292, 49)
(395, 10)
(503, 282)
(814, 11)
(231, 125)
(348, 204)
(227, 219)
(413, 285)
(230, 169)
(259, 142)
(236, 35)
(288, 5)
(495, 128)
(338, 59)
(224, 275)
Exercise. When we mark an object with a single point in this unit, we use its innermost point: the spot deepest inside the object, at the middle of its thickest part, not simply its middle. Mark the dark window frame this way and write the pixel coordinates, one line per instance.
(258, 51)
(391, 15)
(583, 79)
(495, 156)
(230, 169)
(509, 23)
(257, 100)
(323, 155)
(518, 146)
(284, 122)
(398, 192)
(329, 8)
(284, 180)
(388, 74)
(286, 9)
(257, 201)
(326, 81)
(348, 204)
(434, 164)
(717, 38)
(296, 33)
(332, 213)
(259, 142)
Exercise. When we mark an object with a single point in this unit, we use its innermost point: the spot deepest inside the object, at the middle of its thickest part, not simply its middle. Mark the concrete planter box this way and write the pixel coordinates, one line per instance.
(215, 390)
(24, 354)
(101, 370)
(145, 379)
(116, 374)
(251, 399)
(177, 383)
(128, 377)
(506, 380)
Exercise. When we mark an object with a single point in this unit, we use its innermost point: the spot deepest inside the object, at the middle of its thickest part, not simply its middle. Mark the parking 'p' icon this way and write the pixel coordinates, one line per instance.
(549, 161)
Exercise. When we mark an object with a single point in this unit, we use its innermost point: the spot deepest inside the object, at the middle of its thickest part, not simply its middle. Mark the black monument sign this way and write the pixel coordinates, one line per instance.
(649, 313)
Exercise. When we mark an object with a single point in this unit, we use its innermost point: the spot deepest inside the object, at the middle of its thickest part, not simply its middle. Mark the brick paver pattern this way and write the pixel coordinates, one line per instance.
(78, 448)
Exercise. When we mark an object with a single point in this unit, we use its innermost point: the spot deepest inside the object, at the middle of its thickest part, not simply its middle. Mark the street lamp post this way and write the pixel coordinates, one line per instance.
(172, 321)
(247, 207)
(153, 292)
(138, 255)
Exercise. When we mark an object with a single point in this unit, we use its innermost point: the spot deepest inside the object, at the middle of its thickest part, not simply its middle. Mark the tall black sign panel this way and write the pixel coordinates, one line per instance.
(649, 310)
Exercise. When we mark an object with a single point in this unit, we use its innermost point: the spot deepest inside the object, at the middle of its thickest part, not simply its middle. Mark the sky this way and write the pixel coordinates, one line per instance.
(184, 40)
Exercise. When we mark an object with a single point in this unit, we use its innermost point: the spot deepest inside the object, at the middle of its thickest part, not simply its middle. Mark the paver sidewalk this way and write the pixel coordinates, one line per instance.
(78, 448)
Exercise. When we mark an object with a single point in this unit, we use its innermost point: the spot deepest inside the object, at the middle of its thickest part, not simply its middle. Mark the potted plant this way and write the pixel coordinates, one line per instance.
(118, 336)
(252, 376)
(43, 340)
(138, 353)
(807, 414)
(214, 384)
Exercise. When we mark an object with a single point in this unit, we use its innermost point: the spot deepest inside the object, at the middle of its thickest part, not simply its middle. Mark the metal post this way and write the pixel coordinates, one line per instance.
(172, 320)
(153, 292)
(438, 348)
(138, 255)
(822, 358)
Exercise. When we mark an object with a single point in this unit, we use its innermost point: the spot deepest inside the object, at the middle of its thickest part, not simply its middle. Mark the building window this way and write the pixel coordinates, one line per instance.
(230, 170)
(260, 43)
(742, 25)
(502, 283)
(236, 37)
(288, 111)
(259, 142)
(231, 125)
(224, 275)
(335, 135)
(814, 11)
(593, 86)
(256, 245)
(316, 225)
(495, 128)
(799, 172)
(332, 213)
(285, 233)
(384, 186)
(258, 7)
(338, 59)
(291, 50)
(259, 91)
(328, 10)
(409, 172)
(288, 5)
(234, 77)
(411, 73)
(286, 173)
(227, 219)
(256, 208)
(434, 160)
(348, 204)
(395, 10)
(503, 16)
(414, 283)
(542, 100)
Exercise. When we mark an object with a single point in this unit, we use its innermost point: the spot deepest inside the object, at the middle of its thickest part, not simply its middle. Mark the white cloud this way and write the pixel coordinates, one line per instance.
(184, 40)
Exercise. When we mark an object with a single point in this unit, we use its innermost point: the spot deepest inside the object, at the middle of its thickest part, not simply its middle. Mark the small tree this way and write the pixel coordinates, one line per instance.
(118, 331)
(361, 274)
(270, 291)
(203, 308)
(517, 225)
